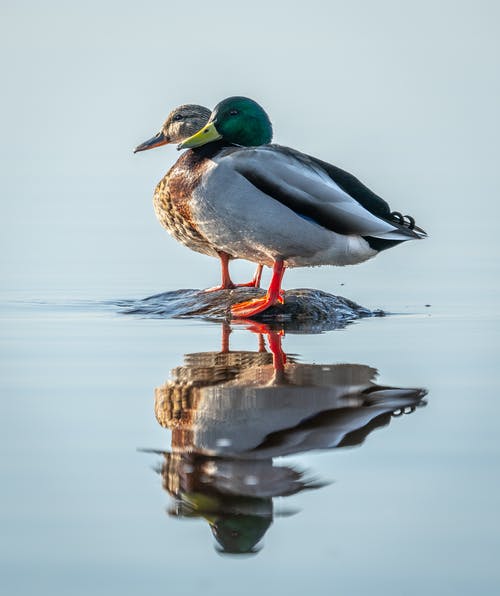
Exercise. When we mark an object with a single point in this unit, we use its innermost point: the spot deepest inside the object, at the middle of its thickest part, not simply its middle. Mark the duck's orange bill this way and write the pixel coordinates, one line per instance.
(156, 141)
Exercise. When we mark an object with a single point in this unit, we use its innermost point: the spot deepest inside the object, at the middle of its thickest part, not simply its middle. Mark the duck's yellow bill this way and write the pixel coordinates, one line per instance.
(206, 135)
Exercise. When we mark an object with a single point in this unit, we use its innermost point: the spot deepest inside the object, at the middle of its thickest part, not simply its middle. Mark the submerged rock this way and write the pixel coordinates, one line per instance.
(308, 307)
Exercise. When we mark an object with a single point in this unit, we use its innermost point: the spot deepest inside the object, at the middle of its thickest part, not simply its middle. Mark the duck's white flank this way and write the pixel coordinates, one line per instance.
(251, 224)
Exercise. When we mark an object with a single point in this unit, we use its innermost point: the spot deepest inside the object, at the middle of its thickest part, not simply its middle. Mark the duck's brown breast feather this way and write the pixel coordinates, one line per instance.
(172, 200)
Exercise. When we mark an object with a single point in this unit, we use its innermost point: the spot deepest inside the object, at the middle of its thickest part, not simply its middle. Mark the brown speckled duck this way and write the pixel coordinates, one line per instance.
(170, 198)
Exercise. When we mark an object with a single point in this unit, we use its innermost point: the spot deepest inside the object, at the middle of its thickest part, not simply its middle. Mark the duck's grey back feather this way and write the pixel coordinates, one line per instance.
(304, 185)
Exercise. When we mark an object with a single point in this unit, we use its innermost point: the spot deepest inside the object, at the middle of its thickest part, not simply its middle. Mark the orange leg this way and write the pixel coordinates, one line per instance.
(257, 276)
(227, 283)
(279, 357)
(274, 339)
(226, 332)
(262, 343)
(252, 307)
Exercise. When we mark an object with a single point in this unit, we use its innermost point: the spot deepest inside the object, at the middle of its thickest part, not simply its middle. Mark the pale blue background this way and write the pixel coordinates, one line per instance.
(405, 95)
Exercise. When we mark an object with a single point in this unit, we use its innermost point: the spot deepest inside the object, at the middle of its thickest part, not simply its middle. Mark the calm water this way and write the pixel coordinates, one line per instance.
(323, 466)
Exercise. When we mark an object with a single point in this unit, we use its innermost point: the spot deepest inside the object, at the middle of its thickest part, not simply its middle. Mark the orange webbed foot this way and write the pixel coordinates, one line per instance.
(249, 308)
(221, 287)
(249, 284)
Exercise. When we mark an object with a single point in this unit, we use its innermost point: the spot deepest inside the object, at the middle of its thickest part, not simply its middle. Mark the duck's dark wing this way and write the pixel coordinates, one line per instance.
(355, 188)
(366, 197)
(310, 189)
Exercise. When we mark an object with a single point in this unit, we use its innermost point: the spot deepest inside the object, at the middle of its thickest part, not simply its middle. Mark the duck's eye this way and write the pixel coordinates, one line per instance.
(178, 117)
(234, 112)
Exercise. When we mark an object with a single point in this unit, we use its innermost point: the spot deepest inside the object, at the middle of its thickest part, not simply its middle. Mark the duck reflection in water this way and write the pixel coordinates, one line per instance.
(232, 412)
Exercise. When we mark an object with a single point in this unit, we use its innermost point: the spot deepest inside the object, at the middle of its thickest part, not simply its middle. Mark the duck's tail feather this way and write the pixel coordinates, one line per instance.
(406, 222)
(405, 230)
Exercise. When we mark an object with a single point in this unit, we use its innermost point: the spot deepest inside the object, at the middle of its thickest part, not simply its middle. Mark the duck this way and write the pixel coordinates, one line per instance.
(275, 205)
(170, 208)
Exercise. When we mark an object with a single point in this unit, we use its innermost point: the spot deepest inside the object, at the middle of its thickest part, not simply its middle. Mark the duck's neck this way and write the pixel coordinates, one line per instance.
(211, 149)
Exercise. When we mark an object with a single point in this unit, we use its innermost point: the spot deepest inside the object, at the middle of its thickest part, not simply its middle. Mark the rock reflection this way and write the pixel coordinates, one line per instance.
(232, 412)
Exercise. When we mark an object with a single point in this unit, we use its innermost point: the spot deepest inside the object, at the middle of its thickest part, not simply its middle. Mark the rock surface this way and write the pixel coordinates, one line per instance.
(307, 307)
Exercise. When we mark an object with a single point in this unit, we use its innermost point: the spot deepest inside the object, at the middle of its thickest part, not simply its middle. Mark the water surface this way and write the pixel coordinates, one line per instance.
(132, 443)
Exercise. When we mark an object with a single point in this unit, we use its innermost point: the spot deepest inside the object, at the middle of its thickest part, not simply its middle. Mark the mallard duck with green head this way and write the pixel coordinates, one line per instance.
(277, 206)
(169, 199)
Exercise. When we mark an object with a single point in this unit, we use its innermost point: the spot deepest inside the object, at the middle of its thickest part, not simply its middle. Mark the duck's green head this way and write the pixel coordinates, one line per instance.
(236, 120)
